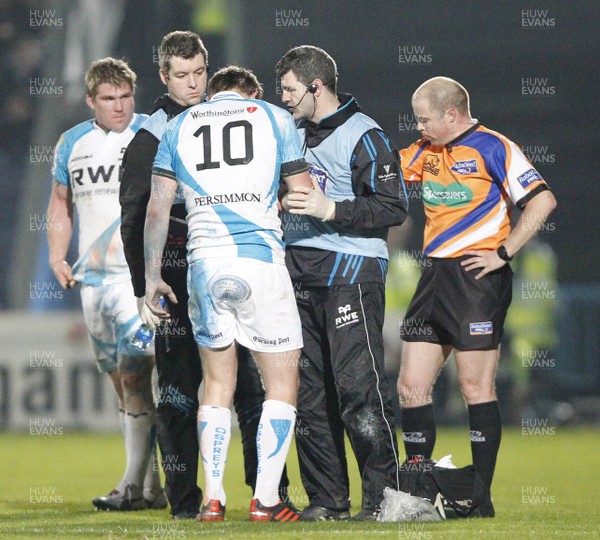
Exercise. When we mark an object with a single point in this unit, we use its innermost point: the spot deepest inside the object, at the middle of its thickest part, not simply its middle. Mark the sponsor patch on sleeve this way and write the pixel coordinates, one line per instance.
(528, 177)
(481, 328)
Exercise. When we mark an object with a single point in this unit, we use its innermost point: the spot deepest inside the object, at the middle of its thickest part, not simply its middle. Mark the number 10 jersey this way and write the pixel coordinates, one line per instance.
(227, 156)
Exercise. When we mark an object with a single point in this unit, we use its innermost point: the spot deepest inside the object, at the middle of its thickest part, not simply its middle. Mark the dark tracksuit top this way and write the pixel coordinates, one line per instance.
(338, 268)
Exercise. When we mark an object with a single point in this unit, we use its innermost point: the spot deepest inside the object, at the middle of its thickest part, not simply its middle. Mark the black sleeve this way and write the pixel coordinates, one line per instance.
(293, 167)
(134, 196)
(377, 184)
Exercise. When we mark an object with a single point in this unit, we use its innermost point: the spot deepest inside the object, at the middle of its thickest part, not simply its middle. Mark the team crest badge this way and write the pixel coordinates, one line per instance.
(229, 289)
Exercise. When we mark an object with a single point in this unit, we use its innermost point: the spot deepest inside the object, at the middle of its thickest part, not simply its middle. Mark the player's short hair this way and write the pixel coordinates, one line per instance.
(108, 70)
(309, 63)
(444, 93)
(235, 77)
(182, 44)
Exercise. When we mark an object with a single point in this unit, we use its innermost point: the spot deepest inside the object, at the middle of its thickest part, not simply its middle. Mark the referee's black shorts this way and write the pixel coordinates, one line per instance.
(451, 307)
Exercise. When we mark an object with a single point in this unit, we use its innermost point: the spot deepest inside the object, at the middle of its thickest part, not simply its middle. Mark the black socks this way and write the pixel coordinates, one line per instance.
(486, 432)
(418, 434)
(418, 431)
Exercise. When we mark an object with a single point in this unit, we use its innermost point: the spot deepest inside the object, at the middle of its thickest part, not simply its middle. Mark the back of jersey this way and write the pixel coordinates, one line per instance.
(226, 155)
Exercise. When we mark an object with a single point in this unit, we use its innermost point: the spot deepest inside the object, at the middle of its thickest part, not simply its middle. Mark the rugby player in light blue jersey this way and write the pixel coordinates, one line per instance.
(85, 172)
(227, 156)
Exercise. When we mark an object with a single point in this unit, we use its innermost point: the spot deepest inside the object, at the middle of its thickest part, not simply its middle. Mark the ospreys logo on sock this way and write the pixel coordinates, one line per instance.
(346, 316)
(218, 456)
(476, 436)
(413, 436)
(281, 427)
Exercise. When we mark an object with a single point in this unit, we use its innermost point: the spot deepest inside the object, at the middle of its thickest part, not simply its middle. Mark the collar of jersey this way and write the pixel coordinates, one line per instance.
(102, 130)
(226, 94)
(464, 134)
(315, 134)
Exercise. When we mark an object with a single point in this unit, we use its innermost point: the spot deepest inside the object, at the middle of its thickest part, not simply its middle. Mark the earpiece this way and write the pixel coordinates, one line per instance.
(312, 88)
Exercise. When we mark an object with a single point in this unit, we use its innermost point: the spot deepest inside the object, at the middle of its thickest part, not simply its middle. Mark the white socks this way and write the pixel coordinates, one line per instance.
(273, 439)
(140, 440)
(214, 434)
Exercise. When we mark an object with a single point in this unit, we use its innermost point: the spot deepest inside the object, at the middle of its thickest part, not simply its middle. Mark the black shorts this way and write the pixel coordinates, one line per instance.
(451, 307)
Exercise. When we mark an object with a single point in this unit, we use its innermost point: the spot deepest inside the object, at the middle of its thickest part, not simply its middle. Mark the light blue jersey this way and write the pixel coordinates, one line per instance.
(226, 155)
(330, 163)
(87, 160)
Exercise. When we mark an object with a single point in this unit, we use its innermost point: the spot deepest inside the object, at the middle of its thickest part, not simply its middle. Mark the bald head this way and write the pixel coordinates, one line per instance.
(444, 93)
(441, 107)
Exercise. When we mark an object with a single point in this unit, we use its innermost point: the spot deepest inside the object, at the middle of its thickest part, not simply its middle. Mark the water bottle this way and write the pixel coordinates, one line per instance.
(145, 333)
(143, 337)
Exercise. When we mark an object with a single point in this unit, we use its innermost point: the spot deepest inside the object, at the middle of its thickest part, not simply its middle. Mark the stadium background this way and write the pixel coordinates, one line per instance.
(531, 71)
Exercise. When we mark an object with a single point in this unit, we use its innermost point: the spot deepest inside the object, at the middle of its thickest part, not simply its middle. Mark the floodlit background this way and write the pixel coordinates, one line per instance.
(531, 69)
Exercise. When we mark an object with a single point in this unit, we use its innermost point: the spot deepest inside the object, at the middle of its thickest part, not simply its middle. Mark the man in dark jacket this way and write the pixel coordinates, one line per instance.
(337, 257)
(183, 62)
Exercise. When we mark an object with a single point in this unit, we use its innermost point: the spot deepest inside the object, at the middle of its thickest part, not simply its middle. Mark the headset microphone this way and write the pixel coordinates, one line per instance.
(310, 89)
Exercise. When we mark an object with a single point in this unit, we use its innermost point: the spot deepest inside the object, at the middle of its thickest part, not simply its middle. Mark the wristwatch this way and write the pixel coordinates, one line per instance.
(501, 251)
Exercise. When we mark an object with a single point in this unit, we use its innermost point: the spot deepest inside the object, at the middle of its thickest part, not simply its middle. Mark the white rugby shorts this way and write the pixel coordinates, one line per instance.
(112, 318)
(244, 300)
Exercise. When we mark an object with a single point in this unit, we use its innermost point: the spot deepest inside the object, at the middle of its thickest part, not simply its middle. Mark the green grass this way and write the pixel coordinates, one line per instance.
(545, 487)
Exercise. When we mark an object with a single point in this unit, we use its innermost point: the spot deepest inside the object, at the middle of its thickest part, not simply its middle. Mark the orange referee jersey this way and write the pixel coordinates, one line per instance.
(467, 188)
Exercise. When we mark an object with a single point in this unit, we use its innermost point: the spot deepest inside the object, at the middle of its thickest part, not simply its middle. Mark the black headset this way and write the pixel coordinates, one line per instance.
(312, 87)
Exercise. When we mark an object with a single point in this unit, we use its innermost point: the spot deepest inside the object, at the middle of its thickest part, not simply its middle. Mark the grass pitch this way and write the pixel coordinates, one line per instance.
(546, 486)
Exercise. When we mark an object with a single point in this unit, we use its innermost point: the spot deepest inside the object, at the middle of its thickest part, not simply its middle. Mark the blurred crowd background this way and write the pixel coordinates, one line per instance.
(532, 74)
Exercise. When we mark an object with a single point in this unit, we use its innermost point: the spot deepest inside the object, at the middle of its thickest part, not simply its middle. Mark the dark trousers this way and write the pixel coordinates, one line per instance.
(343, 387)
(179, 377)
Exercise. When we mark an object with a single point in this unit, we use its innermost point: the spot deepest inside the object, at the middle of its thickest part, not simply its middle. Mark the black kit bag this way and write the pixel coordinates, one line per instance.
(455, 493)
